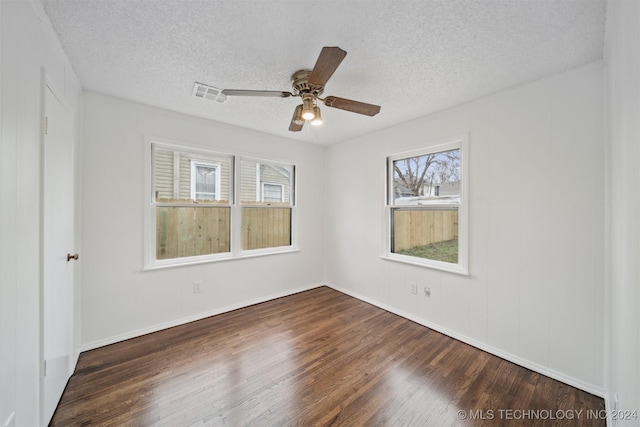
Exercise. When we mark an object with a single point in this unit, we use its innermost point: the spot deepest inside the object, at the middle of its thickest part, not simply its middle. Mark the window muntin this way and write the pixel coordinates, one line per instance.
(426, 207)
(267, 199)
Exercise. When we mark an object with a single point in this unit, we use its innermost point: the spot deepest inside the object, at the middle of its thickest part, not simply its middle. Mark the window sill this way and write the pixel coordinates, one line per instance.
(432, 265)
(242, 255)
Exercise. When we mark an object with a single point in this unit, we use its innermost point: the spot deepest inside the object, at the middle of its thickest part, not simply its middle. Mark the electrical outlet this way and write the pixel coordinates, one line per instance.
(427, 291)
(413, 288)
(196, 287)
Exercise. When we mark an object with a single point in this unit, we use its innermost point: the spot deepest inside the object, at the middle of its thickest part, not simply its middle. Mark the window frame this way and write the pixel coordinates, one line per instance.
(447, 144)
(194, 168)
(293, 191)
(150, 236)
(234, 204)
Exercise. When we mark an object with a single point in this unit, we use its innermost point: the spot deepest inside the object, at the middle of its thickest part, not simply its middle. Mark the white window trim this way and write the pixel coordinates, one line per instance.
(194, 166)
(150, 263)
(262, 184)
(461, 267)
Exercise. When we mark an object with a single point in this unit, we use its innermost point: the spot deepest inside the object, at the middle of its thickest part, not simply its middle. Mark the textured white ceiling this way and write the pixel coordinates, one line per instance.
(410, 57)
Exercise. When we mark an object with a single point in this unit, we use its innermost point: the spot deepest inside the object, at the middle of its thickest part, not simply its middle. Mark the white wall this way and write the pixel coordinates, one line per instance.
(119, 300)
(27, 43)
(535, 294)
(535, 289)
(622, 55)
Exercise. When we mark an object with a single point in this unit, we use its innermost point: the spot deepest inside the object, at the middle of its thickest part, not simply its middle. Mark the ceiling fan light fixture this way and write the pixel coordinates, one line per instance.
(308, 85)
(317, 119)
(297, 116)
(307, 108)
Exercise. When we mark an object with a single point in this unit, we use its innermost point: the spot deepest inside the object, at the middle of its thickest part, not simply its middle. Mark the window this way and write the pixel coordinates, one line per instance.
(272, 192)
(197, 214)
(427, 206)
(191, 204)
(267, 199)
(204, 181)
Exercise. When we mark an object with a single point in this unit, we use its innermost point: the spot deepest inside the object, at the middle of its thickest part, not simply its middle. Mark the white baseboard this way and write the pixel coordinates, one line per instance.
(155, 328)
(608, 405)
(76, 356)
(574, 382)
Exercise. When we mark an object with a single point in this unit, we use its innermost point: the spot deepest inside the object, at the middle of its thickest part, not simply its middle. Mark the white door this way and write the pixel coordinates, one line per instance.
(58, 241)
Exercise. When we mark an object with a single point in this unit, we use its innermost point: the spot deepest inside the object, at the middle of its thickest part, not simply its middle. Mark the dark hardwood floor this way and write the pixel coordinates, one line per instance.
(315, 358)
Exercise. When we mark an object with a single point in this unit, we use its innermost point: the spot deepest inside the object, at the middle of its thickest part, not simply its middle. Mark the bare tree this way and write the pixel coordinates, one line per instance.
(447, 166)
(410, 173)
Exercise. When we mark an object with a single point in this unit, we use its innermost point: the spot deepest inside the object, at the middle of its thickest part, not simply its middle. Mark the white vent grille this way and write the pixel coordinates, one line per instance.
(209, 93)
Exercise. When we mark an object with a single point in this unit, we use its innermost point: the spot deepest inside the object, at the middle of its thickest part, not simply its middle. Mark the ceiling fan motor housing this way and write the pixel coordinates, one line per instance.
(301, 85)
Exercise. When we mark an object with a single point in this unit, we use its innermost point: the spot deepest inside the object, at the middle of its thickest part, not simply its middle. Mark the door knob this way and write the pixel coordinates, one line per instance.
(74, 257)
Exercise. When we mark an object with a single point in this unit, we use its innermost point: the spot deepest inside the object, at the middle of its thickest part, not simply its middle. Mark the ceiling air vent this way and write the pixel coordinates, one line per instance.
(209, 93)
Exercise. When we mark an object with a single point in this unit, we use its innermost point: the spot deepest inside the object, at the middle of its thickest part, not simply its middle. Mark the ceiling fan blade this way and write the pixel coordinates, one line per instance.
(353, 106)
(265, 93)
(327, 63)
(295, 126)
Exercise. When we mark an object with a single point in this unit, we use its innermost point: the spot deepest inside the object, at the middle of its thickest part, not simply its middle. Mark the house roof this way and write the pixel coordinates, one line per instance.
(410, 57)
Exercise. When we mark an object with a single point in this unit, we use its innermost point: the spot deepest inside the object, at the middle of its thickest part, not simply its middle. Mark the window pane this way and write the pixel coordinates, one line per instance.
(191, 231)
(425, 233)
(258, 182)
(268, 187)
(205, 181)
(428, 179)
(173, 179)
(272, 193)
(265, 227)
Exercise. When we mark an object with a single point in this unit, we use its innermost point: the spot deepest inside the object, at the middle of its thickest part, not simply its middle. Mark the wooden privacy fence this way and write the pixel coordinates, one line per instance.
(189, 231)
(266, 227)
(414, 228)
(183, 231)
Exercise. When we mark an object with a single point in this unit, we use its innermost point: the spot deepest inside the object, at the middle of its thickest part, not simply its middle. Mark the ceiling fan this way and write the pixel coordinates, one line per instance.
(309, 85)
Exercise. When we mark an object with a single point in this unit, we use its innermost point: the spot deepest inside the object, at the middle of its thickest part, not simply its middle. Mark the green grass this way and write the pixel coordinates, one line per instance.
(446, 251)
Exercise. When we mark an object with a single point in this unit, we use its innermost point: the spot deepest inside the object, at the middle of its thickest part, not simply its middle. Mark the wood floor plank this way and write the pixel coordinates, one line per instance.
(316, 358)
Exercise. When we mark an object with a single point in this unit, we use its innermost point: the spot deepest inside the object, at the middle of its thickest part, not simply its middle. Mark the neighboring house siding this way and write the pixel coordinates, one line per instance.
(252, 175)
(251, 188)
(164, 164)
(270, 175)
(164, 174)
(185, 176)
(248, 181)
(445, 189)
(429, 189)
